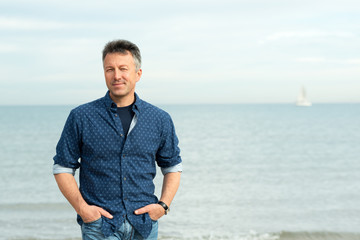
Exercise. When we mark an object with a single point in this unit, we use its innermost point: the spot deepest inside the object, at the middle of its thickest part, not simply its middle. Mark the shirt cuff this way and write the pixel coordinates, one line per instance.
(60, 169)
(176, 168)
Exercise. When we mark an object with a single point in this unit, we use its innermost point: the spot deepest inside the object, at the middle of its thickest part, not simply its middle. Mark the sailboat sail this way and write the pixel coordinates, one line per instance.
(302, 100)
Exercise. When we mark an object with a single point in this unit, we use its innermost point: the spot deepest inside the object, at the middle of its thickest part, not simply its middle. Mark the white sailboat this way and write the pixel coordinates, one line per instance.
(302, 101)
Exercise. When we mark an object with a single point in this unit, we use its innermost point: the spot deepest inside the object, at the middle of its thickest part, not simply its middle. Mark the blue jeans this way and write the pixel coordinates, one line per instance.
(92, 231)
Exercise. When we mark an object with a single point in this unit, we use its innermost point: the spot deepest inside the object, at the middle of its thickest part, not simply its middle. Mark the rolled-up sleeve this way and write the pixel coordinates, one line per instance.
(68, 149)
(168, 155)
(176, 168)
(57, 169)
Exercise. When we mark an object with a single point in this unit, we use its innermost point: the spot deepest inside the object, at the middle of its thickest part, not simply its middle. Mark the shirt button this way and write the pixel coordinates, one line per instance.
(121, 135)
(124, 178)
(123, 155)
(115, 115)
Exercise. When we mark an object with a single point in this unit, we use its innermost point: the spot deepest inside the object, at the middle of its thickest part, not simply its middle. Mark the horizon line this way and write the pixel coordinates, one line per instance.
(243, 103)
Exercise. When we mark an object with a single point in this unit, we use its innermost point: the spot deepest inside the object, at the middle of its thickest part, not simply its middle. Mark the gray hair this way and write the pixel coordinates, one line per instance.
(123, 46)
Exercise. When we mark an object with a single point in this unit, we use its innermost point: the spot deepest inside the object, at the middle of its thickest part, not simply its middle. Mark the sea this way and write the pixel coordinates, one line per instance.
(250, 172)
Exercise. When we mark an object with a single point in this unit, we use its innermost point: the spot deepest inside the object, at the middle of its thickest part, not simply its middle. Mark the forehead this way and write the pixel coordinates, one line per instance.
(119, 58)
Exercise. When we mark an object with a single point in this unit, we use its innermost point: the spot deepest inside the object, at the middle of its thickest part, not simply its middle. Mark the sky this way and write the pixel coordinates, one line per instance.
(193, 52)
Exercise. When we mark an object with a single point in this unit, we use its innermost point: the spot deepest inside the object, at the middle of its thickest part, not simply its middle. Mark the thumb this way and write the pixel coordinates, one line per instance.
(142, 210)
(105, 213)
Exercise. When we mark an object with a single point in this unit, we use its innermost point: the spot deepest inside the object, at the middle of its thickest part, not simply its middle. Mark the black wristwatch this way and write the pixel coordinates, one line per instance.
(167, 209)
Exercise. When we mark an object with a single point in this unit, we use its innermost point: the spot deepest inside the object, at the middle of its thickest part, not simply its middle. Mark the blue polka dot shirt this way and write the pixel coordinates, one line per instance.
(117, 172)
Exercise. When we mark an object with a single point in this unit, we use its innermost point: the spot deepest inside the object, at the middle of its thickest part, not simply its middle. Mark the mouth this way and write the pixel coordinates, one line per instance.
(118, 84)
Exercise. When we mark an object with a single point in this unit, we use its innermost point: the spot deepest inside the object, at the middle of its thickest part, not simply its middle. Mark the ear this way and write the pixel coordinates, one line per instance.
(138, 74)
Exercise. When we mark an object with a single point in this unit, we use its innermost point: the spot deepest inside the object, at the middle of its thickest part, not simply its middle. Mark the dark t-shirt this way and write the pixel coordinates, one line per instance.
(126, 115)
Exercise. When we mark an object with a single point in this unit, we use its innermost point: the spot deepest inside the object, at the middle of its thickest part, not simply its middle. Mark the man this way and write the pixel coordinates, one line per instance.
(116, 141)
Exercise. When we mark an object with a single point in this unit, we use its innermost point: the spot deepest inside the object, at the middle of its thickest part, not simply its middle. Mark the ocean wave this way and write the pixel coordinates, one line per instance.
(252, 235)
(319, 236)
(284, 235)
(34, 206)
(43, 238)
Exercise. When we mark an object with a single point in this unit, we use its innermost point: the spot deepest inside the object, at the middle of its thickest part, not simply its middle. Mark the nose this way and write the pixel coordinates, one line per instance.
(117, 74)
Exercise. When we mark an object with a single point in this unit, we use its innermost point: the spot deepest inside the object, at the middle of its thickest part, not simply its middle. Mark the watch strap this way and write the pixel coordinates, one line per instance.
(167, 209)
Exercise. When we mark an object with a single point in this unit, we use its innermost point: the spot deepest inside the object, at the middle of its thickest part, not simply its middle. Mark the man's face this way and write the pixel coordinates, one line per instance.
(121, 75)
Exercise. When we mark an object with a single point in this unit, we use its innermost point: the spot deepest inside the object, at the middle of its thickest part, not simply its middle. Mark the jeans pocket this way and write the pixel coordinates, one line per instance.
(92, 230)
(96, 222)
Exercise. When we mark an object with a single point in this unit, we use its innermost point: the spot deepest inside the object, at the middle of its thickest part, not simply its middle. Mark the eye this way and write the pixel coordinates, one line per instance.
(109, 70)
(123, 69)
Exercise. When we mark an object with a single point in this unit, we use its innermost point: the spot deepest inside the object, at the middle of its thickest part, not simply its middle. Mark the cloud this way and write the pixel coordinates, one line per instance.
(8, 48)
(305, 35)
(325, 60)
(13, 23)
(20, 23)
(353, 61)
(310, 60)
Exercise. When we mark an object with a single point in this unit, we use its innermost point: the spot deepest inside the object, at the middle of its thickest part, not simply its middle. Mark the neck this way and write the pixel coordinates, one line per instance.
(123, 101)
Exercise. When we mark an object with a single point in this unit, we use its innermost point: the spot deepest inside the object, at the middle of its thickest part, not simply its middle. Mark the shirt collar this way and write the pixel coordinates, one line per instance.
(138, 105)
(109, 103)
